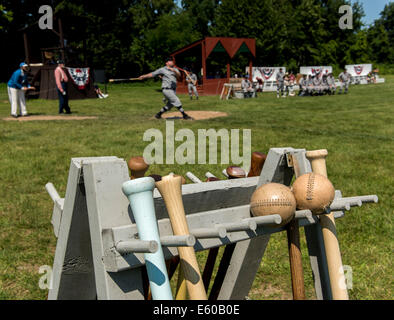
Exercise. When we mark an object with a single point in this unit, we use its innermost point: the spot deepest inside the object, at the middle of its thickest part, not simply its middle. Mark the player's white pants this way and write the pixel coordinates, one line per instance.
(192, 89)
(17, 97)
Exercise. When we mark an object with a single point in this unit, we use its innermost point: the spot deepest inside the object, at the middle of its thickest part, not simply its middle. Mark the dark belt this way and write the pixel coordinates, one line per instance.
(168, 89)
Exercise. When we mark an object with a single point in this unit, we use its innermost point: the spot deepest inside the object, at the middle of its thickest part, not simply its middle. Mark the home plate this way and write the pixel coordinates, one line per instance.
(47, 118)
(196, 115)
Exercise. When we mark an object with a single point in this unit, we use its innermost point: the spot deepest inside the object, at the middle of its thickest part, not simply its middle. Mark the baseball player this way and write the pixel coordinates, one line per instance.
(331, 84)
(169, 75)
(310, 86)
(280, 83)
(324, 84)
(344, 78)
(17, 86)
(317, 85)
(191, 79)
(247, 87)
(303, 86)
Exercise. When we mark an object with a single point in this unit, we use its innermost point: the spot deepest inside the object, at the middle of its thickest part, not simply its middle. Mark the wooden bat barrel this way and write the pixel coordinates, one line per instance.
(317, 159)
(257, 163)
(170, 189)
(140, 194)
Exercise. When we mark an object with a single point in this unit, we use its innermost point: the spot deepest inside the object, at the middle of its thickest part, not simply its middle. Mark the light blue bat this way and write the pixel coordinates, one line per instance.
(140, 194)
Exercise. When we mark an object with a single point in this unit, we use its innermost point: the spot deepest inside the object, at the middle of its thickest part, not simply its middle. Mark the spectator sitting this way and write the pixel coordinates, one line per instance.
(331, 84)
(99, 93)
(292, 80)
(247, 87)
(260, 85)
(303, 86)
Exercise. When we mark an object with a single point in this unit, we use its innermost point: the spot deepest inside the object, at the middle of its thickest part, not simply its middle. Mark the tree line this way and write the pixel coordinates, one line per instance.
(129, 37)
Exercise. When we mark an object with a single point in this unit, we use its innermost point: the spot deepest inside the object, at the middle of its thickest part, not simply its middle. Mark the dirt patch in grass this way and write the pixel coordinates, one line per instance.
(196, 115)
(48, 118)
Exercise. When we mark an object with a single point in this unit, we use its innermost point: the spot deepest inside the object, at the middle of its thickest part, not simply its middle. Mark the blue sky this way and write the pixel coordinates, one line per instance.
(372, 9)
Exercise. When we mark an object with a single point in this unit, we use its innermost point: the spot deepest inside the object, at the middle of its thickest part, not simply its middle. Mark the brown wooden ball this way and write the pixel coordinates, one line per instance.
(313, 192)
(235, 172)
(273, 198)
(138, 167)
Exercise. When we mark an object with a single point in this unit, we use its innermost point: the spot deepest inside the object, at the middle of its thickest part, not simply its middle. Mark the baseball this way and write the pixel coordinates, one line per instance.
(313, 192)
(274, 198)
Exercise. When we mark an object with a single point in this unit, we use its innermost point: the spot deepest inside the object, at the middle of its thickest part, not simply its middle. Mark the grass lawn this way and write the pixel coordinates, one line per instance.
(357, 129)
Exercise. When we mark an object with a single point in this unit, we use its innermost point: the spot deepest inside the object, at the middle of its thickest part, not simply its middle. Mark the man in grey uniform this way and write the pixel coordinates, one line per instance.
(280, 83)
(169, 75)
(303, 86)
(191, 79)
(344, 78)
(331, 84)
(317, 85)
(247, 87)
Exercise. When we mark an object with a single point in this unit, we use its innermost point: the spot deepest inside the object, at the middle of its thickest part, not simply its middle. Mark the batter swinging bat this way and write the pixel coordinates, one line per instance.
(140, 194)
(170, 189)
(317, 159)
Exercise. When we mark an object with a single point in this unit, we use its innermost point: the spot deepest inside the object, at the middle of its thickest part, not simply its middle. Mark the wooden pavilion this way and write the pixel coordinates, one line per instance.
(197, 54)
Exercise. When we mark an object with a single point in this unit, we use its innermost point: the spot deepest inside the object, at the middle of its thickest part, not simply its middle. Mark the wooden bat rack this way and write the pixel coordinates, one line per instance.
(98, 253)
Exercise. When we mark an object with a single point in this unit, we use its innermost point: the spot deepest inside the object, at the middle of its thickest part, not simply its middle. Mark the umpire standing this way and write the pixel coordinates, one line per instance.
(61, 86)
(17, 86)
(169, 76)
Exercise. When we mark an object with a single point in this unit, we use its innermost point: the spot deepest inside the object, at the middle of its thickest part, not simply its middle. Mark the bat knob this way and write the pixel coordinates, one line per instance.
(138, 167)
(138, 185)
(235, 172)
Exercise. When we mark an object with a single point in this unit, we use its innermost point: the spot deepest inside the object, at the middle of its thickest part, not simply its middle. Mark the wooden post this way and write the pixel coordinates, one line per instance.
(228, 70)
(61, 38)
(27, 53)
(250, 68)
(204, 62)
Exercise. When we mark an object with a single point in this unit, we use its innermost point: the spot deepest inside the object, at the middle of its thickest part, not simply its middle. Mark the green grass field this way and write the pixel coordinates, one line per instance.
(357, 129)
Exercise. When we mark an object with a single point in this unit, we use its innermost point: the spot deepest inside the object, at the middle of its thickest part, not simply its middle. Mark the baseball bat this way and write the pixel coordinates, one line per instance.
(140, 194)
(295, 255)
(155, 177)
(126, 79)
(257, 163)
(170, 189)
(138, 167)
(317, 159)
(235, 172)
(181, 290)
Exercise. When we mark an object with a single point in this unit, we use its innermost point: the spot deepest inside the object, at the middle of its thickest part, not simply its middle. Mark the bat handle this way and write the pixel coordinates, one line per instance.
(140, 194)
